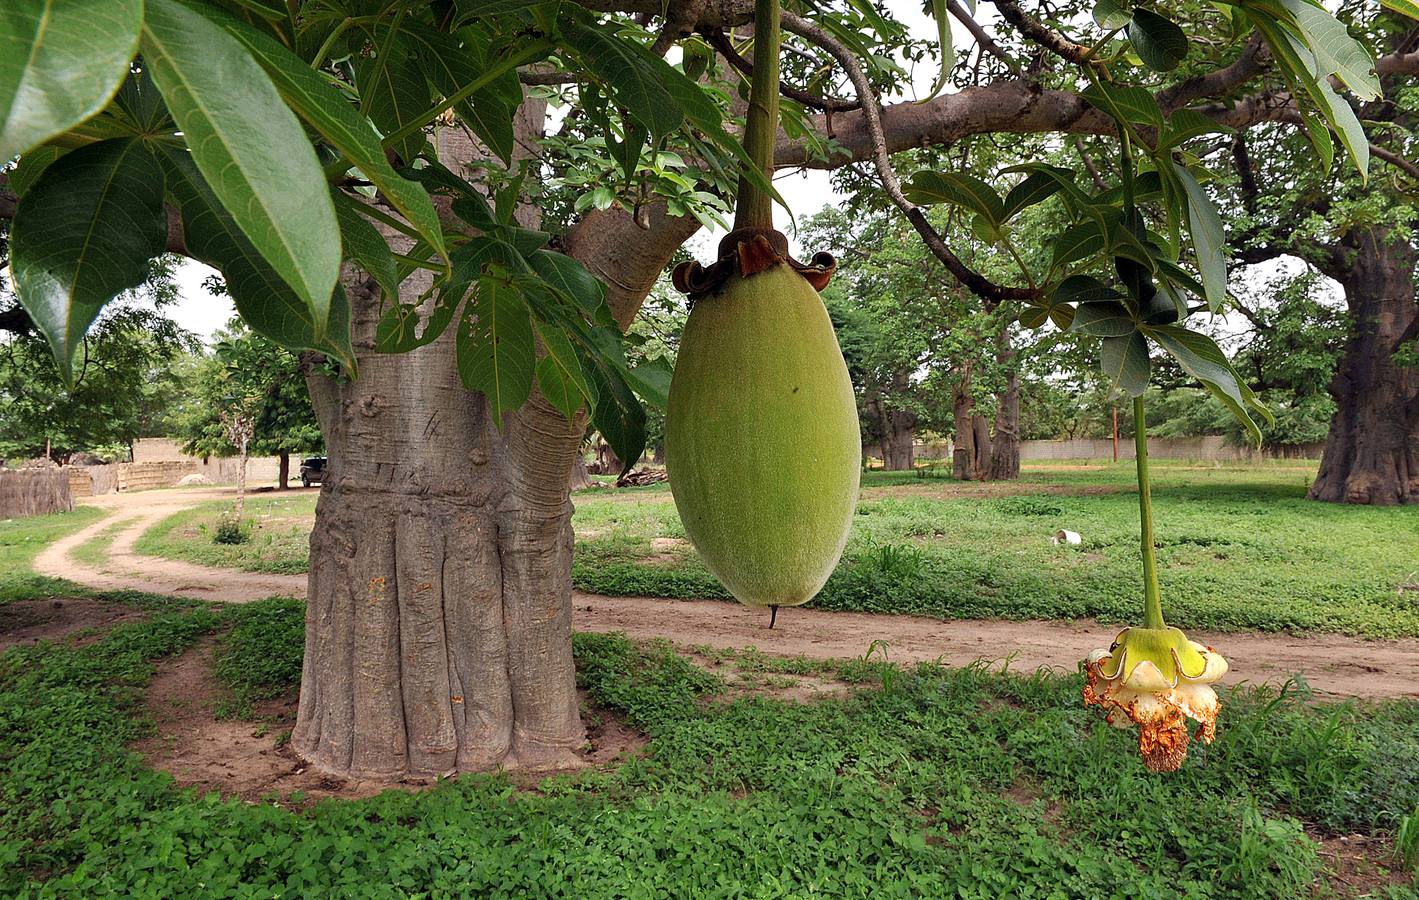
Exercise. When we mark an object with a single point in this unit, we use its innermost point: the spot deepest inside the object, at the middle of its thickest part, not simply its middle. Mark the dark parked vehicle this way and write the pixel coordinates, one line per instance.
(312, 470)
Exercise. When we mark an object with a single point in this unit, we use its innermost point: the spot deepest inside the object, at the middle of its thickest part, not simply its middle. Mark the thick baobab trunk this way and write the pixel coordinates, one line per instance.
(580, 477)
(241, 480)
(1371, 455)
(896, 429)
(1005, 445)
(283, 473)
(963, 407)
(438, 621)
(438, 618)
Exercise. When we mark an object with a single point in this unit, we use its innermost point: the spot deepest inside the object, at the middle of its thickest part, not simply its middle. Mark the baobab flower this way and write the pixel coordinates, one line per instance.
(1157, 679)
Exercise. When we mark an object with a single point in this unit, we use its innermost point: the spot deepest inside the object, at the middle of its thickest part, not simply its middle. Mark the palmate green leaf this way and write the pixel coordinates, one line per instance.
(1110, 16)
(267, 303)
(327, 111)
(1125, 362)
(1336, 52)
(494, 346)
(958, 189)
(632, 73)
(615, 412)
(61, 61)
(1186, 124)
(1320, 139)
(1158, 41)
(1103, 319)
(1077, 242)
(558, 388)
(942, 15)
(654, 92)
(1347, 126)
(1036, 188)
(1209, 239)
(469, 10)
(1083, 289)
(572, 279)
(250, 148)
(31, 166)
(559, 373)
(393, 92)
(398, 328)
(365, 245)
(1201, 358)
(1298, 65)
(450, 65)
(1127, 103)
(1033, 317)
(1407, 8)
(84, 232)
(651, 381)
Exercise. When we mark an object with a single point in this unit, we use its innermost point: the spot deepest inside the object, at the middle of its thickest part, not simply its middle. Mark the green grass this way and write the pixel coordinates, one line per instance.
(1240, 548)
(279, 542)
(927, 783)
(22, 539)
(95, 551)
(259, 656)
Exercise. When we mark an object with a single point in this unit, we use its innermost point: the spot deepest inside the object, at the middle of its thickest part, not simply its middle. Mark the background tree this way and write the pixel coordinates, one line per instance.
(268, 382)
(124, 387)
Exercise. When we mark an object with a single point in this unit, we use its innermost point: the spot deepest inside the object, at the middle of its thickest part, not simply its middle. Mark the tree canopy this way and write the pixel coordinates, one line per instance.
(275, 142)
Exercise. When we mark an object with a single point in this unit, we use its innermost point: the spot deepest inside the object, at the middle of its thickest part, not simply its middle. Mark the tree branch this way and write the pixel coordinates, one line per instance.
(1041, 34)
(871, 111)
(983, 38)
(1394, 159)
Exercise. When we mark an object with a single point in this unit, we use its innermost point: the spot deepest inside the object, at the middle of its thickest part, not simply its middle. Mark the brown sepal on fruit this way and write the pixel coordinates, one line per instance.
(745, 252)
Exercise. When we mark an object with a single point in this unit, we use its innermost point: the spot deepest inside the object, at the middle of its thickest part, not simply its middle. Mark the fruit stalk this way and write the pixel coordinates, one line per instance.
(1152, 597)
(755, 207)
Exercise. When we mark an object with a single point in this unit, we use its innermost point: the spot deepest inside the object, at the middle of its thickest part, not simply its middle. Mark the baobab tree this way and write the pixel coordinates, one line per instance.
(381, 189)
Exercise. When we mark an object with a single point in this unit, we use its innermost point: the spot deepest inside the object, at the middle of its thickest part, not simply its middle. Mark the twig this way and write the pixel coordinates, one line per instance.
(983, 38)
(1395, 159)
(721, 42)
(1089, 166)
(872, 112)
(1041, 34)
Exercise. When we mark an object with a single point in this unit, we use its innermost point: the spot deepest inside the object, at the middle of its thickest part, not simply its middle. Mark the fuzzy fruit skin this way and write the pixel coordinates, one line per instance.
(761, 438)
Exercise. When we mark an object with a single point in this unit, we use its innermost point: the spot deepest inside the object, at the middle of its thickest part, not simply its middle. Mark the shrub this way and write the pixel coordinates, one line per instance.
(231, 530)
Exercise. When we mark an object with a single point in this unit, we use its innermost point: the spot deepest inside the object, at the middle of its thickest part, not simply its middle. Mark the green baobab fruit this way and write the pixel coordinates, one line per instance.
(761, 437)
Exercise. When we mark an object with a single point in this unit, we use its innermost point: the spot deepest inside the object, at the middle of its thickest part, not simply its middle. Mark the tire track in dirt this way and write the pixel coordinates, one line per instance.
(126, 569)
(1334, 665)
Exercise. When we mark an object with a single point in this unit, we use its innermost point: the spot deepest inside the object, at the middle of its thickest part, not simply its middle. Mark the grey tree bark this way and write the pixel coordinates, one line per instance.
(896, 430)
(438, 620)
(1371, 453)
(1005, 445)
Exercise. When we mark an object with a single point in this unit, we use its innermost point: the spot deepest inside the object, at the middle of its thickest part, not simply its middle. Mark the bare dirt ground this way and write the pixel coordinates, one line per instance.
(247, 759)
(1335, 665)
(252, 759)
(27, 622)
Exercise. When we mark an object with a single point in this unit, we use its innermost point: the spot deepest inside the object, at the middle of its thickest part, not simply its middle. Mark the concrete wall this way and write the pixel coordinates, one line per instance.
(1210, 448)
(260, 470)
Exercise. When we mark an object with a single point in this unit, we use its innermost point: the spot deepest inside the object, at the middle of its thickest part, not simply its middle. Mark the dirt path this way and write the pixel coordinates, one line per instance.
(1333, 664)
(125, 568)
